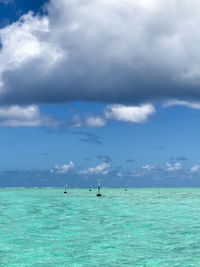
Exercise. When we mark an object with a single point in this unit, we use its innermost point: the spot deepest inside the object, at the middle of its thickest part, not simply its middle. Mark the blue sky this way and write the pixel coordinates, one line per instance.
(88, 93)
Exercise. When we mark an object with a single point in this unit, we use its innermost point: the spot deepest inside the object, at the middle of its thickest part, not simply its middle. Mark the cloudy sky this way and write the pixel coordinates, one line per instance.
(99, 89)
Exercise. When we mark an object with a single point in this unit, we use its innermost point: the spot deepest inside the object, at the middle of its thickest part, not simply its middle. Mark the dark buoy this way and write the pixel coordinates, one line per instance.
(99, 187)
(65, 192)
(125, 188)
(90, 188)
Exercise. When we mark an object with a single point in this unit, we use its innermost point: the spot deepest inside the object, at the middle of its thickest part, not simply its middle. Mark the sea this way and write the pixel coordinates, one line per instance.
(146, 227)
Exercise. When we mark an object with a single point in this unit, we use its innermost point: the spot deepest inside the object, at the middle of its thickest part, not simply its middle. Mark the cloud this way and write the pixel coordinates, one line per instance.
(62, 169)
(16, 116)
(95, 121)
(148, 167)
(105, 158)
(89, 137)
(156, 178)
(30, 116)
(173, 166)
(188, 104)
(91, 140)
(155, 172)
(195, 168)
(146, 170)
(125, 52)
(75, 122)
(119, 174)
(99, 169)
(133, 114)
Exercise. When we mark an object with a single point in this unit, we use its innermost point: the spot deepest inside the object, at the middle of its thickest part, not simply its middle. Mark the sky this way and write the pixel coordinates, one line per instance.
(99, 89)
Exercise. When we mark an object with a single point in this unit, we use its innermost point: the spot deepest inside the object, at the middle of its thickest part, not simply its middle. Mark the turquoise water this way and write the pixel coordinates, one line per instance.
(140, 227)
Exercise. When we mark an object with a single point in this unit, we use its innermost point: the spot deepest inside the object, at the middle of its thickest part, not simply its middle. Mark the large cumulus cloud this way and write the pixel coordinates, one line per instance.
(96, 50)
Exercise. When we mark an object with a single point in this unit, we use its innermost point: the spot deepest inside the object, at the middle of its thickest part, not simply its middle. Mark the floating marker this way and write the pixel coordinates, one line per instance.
(99, 187)
(65, 192)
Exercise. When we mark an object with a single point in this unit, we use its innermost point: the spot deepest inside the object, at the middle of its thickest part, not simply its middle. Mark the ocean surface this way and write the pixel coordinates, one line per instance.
(140, 227)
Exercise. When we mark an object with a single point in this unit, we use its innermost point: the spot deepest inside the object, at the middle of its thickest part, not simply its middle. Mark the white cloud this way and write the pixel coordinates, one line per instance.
(134, 114)
(22, 42)
(145, 170)
(137, 173)
(75, 121)
(16, 116)
(63, 169)
(173, 166)
(99, 169)
(119, 174)
(195, 168)
(193, 105)
(95, 121)
(27, 113)
(148, 167)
